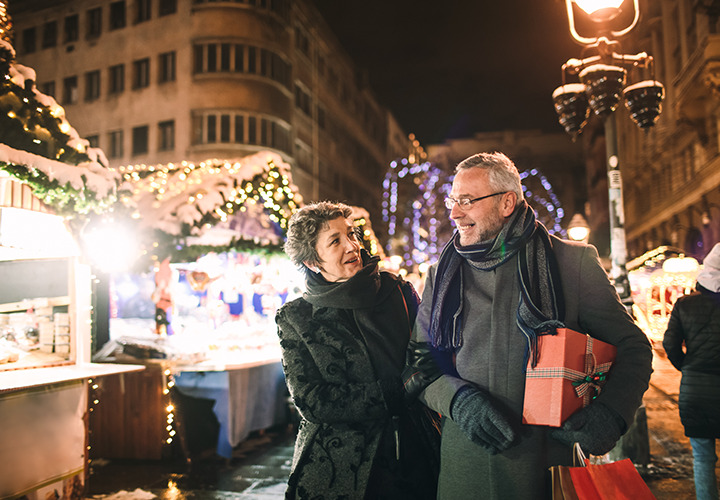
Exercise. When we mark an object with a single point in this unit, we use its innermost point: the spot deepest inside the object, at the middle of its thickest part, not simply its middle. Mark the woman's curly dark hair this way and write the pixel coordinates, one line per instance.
(304, 227)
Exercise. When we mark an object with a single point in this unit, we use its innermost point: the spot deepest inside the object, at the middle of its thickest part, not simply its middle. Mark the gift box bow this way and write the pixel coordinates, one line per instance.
(593, 376)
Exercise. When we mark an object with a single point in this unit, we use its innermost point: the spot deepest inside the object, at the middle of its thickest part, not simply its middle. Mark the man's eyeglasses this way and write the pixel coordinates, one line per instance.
(466, 202)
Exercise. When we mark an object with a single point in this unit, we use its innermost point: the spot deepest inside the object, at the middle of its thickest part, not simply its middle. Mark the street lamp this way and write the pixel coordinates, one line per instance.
(602, 85)
(578, 229)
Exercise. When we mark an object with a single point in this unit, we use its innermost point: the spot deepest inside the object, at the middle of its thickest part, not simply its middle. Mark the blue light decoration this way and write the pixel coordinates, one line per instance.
(417, 219)
(539, 193)
(413, 195)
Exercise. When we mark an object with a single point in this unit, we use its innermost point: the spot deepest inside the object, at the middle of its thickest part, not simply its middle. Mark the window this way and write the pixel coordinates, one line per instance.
(72, 28)
(211, 58)
(92, 85)
(94, 22)
(47, 88)
(143, 10)
(140, 140)
(70, 90)
(166, 135)
(29, 41)
(302, 100)
(252, 60)
(93, 140)
(252, 130)
(117, 78)
(167, 7)
(224, 57)
(239, 58)
(49, 35)
(212, 129)
(239, 129)
(301, 41)
(224, 128)
(116, 144)
(166, 69)
(141, 73)
(117, 15)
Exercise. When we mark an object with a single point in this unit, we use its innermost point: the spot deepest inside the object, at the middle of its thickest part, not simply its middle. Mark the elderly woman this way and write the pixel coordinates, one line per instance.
(343, 346)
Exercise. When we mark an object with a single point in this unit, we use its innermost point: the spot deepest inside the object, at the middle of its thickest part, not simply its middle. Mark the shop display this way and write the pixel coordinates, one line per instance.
(657, 280)
(218, 310)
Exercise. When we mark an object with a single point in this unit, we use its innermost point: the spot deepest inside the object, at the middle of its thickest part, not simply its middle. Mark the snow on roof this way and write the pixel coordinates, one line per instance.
(166, 197)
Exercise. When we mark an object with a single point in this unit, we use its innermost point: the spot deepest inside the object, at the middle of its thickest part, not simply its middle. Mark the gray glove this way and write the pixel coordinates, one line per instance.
(482, 422)
(596, 427)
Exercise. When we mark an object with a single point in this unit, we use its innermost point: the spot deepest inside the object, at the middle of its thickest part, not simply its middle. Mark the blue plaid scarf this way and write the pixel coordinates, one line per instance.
(541, 308)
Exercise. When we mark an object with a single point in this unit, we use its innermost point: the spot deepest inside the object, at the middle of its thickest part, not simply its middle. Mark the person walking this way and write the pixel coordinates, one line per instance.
(343, 349)
(692, 344)
(500, 282)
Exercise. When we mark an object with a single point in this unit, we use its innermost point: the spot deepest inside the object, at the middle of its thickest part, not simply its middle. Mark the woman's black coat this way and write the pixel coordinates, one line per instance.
(695, 322)
(346, 435)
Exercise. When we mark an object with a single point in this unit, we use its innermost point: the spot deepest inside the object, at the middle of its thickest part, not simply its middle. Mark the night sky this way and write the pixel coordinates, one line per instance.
(452, 68)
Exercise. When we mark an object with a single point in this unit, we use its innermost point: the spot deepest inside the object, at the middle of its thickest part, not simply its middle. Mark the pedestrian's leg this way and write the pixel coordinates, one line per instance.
(704, 459)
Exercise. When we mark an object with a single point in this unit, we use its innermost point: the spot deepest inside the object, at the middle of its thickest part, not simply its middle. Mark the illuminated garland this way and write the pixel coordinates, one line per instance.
(62, 199)
(414, 204)
(547, 205)
(418, 206)
(173, 203)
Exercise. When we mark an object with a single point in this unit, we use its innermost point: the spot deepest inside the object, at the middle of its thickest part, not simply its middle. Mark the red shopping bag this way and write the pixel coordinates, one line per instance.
(611, 481)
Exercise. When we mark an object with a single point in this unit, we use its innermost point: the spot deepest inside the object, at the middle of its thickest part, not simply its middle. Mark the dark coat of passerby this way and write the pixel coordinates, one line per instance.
(501, 281)
(692, 344)
(343, 349)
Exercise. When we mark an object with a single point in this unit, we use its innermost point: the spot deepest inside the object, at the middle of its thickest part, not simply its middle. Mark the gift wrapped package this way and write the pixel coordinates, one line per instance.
(570, 371)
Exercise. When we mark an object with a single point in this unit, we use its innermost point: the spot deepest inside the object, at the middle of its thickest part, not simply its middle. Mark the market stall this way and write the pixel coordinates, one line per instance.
(198, 305)
(657, 279)
(48, 178)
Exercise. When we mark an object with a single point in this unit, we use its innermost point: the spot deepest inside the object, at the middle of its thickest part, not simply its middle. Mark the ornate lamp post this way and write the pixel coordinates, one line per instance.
(602, 75)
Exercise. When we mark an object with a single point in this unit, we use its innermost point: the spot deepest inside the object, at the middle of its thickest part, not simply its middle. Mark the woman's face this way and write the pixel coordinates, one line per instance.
(339, 251)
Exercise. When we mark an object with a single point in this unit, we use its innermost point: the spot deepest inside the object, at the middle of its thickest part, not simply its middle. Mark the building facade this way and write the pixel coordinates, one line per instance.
(671, 174)
(164, 81)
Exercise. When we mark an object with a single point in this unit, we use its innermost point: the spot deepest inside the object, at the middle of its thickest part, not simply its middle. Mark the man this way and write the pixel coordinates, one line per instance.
(501, 281)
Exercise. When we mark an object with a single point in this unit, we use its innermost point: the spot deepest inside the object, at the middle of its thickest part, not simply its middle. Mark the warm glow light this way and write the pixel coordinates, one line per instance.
(680, 265)
(111, 247)
(578, 229)
(594, 7)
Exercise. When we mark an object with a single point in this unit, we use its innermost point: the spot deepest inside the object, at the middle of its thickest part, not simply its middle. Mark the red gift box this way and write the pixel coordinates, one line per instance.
(570, 371)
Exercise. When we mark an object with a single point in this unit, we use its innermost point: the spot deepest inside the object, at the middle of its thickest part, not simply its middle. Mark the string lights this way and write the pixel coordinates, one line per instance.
(414, 212)
(412, 196)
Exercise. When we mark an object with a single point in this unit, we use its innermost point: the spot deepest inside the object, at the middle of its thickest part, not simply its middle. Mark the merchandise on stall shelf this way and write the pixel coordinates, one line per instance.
(657, 281)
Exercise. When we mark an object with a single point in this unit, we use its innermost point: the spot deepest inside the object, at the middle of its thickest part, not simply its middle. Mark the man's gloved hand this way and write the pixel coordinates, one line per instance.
(596, 427)
(477, 416)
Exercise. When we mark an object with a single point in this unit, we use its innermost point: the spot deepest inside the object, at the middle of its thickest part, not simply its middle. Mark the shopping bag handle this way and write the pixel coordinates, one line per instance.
(579, 459)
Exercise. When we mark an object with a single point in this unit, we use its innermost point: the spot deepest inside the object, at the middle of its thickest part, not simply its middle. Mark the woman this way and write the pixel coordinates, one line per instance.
(695, 324)
(343, 345)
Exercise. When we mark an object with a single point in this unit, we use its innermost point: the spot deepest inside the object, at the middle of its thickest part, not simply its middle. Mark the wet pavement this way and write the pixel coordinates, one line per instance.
(260, 465)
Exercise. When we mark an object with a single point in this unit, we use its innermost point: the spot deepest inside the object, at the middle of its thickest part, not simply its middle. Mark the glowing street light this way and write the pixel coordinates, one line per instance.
(578, 229)
(601, 88)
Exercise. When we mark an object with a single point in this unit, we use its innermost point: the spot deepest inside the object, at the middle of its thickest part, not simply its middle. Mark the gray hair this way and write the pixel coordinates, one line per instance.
(502, 173)
(305, 226)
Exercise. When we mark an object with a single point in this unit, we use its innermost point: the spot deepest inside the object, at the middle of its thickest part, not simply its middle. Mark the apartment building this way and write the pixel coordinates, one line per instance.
(671, 173)
(163, 81)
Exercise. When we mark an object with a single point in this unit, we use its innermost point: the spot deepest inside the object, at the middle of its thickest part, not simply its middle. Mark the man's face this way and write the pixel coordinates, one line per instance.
(483, 219)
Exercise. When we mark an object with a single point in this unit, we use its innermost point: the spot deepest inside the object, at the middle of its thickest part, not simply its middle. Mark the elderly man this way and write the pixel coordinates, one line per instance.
(499, 283)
